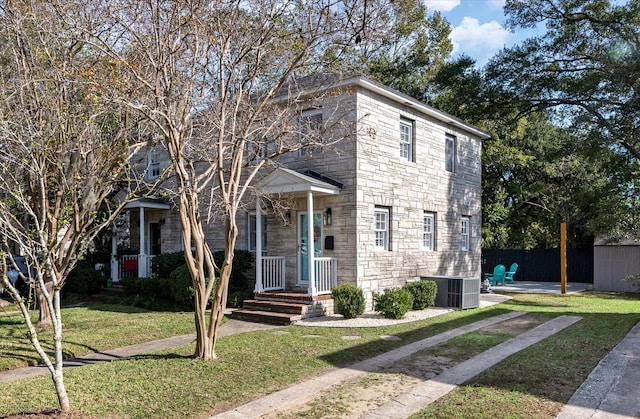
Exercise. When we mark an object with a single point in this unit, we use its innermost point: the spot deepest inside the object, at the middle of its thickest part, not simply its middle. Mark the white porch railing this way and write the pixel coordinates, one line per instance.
(273, 273)
(326, 274)
(129, 266)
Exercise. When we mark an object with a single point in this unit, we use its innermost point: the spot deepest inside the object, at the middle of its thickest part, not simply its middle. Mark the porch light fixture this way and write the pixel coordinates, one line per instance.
(327, 217)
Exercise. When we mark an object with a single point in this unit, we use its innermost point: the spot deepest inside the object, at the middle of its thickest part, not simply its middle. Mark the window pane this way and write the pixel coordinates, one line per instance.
(464, 238)
(428, 231)
(381, 228)
(406, 140)
(450, 153)
(252, 232)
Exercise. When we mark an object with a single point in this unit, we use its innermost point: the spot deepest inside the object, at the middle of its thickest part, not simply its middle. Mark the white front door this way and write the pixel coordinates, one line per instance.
(303, 260)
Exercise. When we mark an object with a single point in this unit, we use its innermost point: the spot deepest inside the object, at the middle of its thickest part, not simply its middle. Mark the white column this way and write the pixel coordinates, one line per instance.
(142, 257)
(259, 286)
(310, 245)
(115, 268)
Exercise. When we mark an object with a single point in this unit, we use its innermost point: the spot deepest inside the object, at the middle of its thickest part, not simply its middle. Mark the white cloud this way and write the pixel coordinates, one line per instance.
(480, 41)
(441, 5)
(496, 4)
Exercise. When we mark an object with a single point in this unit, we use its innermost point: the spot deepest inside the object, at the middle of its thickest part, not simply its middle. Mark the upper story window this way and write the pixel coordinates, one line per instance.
(464, 235)
(252, 232)
(310, 132)
(381, 227)
(428, 230)
(450, 153)
(406, 139)
(154, 164)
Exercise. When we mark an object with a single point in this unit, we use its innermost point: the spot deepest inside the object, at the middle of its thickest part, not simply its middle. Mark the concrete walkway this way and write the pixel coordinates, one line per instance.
(612, 390)
(229, 328)
(419, 396)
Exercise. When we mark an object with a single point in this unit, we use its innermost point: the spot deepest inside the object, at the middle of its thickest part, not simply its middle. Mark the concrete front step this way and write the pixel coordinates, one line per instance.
(271, 317)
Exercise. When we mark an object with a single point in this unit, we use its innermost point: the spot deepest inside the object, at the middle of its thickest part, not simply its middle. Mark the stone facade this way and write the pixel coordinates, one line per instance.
(367, 162)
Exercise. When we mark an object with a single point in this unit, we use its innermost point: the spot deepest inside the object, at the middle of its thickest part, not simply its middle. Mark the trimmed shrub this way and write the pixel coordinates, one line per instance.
(155, 288)
(349, 300)
(393, 303)
(236, 298)
(163, 264)
(242, 264)
(423, 292)
(181, 288)
(84, 279)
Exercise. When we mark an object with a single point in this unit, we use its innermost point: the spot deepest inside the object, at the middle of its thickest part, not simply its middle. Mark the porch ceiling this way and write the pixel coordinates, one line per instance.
(147, 203)
(289, 182)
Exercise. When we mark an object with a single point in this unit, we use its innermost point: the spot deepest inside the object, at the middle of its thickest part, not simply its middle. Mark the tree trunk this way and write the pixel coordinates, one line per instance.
(45, 320)
(220, 302)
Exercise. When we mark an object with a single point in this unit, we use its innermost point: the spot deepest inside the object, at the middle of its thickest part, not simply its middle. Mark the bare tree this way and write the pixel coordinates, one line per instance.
(217, 78)
(64, 152)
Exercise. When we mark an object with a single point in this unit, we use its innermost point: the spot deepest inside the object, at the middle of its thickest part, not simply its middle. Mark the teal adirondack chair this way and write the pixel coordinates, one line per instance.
(497, 277)
(508, 277)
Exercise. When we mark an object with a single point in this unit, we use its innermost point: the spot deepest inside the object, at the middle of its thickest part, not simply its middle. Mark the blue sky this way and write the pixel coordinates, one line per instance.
(478, 27)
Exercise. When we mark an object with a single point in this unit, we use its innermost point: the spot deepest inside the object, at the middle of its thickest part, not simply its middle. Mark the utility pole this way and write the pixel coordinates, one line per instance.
(563, 258)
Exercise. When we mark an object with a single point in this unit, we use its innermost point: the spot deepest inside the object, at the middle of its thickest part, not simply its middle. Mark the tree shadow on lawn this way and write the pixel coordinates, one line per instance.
(553, 368)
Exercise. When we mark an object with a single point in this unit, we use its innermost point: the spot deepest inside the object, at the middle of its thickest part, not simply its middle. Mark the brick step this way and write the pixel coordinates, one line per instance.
(290, 297)
(271, 317)
(275, 306)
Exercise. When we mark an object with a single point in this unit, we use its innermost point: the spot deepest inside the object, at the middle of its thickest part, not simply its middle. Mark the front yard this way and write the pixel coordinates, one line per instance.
(533, 383)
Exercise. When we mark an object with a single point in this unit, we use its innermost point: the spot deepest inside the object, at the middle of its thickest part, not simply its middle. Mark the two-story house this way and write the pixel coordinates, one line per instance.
(397, 198)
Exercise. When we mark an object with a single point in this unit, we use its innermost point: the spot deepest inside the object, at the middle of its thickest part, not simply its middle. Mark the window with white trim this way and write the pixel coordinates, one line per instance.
(252, 232)
(464, 235)
(310, 132)
(381, 227)
(450, 153)
(154, 167)
(428, 230)
(406, 139)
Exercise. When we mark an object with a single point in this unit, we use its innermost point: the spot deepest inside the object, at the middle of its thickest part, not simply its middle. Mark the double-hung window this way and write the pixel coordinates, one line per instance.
(253, 232)
(450, 153)
(406, 139)
(154, 167)
(381, 227)
(464, 235)
(428, 231)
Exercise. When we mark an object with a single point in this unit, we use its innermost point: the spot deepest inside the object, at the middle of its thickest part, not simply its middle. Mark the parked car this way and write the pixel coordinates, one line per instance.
(14, 276)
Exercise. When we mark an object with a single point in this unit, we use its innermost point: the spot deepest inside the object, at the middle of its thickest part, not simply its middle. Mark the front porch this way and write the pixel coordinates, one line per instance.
(316, 272)
(151, 215)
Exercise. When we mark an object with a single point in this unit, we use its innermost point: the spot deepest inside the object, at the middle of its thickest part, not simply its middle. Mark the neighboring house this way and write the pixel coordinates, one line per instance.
(613, 262)
(397, 199)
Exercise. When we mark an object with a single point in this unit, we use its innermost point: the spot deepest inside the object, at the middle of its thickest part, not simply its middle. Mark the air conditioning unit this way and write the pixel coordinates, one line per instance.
(456, 292)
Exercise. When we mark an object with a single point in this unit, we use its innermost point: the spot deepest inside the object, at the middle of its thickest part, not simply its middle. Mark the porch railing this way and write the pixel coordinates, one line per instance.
(129, 266)
(326, 274)
(273, 273)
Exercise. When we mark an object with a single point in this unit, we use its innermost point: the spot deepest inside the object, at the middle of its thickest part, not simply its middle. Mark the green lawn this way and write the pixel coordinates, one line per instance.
(532, 383)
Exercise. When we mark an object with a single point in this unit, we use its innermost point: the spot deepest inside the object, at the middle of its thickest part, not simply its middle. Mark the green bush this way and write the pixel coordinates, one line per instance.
(163, 264)
(393, 303)
(423, 292)
(349, 300)
(181, 287)
(242, 265)
(236, 298)
(157, 288)
(84, 279)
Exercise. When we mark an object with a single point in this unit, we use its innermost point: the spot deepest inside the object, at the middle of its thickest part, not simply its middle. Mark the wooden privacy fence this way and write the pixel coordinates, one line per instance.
(542, 265)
